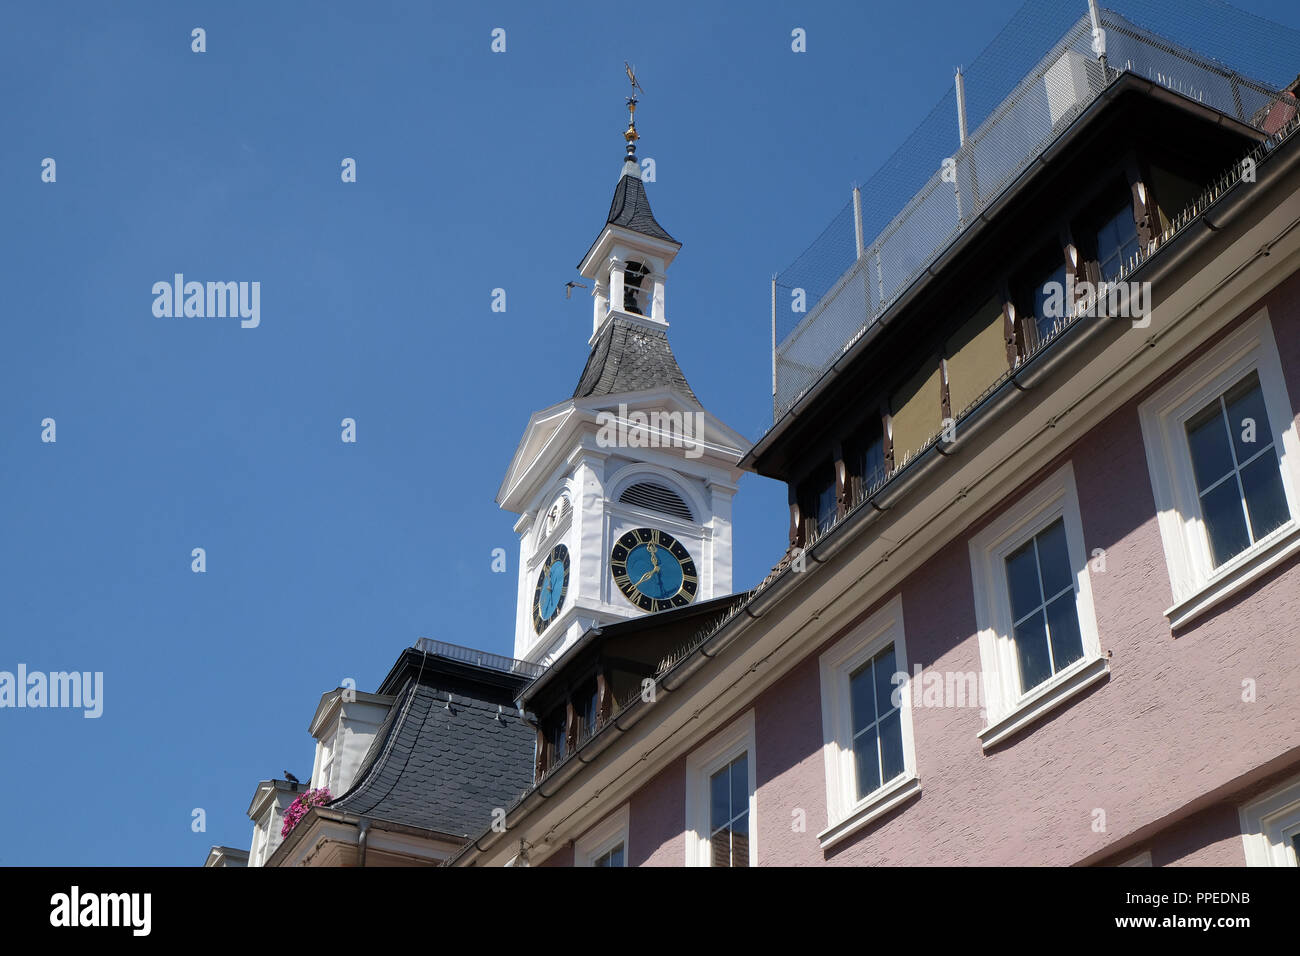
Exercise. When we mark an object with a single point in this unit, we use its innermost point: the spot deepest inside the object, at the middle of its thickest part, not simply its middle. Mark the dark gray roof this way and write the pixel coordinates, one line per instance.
(442, 770)
(629, 357)
(631, 209)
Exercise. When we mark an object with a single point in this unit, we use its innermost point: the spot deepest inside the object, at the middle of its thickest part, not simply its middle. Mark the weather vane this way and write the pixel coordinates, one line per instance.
(631, 134)
(631, 77)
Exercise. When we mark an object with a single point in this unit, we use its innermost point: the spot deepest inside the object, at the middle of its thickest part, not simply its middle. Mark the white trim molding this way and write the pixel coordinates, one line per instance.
(726, 746)
(1196, 584)
(602, 838)
(1008, 707)
(846, 813)
(1270, 825)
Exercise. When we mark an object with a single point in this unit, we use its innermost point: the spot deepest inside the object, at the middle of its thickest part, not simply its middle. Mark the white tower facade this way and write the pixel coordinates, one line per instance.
(624, 490)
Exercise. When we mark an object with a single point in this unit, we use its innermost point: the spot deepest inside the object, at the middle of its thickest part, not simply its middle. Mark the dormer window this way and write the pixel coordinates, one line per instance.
(561, 734)
(864, 455)
(817, 500)
(325, 776)
(586, 704)
(1117, 241)
(636, 288)
(555, 734)
(1040, 298)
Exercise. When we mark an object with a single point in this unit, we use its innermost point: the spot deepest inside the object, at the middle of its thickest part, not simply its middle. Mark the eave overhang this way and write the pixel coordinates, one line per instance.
(613, 235)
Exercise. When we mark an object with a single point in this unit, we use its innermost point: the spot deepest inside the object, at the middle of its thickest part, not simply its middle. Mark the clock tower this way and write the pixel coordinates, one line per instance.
(624, 489)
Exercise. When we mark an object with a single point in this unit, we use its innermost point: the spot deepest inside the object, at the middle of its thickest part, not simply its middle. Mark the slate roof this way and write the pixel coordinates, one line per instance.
(442, 770)
(629, 357)
(631, 207)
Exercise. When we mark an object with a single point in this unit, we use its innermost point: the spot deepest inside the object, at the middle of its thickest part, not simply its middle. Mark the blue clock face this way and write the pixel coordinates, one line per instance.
(552, 583)
(653, 570)
(553, 590)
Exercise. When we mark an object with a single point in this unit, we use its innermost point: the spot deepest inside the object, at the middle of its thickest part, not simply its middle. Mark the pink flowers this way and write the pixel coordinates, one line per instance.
(298, 809)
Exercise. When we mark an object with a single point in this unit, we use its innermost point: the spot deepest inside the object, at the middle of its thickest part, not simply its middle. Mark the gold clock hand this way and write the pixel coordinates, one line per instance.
(645, 577)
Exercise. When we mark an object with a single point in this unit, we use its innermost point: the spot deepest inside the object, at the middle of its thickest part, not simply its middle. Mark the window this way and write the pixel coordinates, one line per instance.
(585, 703)
(1040, 298)
(817, 500)
(1234, 462)
(877, 723)
(864, 455)
(1033, 605)
(260, 840)
(324, 776)
(1270, 827)
(729, 814)
(1117, 242)
(720, 799)
(867, 724)
(1222, 453)
(556, 742)
(614, 857)
(1045, 621)
(605, 844)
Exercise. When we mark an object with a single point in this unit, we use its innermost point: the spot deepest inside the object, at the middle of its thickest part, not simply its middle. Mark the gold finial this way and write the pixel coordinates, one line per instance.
(631, 135)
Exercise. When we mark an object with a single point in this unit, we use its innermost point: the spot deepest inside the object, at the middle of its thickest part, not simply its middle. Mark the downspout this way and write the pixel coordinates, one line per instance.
(361, 841)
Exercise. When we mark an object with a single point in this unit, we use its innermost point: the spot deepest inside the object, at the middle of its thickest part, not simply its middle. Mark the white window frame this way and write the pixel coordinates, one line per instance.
(1197, 585)
(1008, 709)
(602, 838)
(327, 760)
(1268, 825)
(726, 746)
(258, 853)
(845, 812)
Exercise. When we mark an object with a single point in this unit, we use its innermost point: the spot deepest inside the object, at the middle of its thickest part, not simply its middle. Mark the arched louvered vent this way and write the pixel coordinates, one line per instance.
(554, 515)
(655, 497)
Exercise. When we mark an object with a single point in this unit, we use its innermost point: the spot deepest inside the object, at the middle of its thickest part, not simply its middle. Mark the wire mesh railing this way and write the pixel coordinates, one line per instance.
(470, 655)
(939, 181)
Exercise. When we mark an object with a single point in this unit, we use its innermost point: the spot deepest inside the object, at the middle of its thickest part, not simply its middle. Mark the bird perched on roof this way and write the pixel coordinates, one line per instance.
(568, 288)
(290, 777)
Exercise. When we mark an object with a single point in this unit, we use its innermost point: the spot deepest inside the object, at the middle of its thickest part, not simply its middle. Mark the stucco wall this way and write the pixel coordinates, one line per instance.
(561, 857)
(1167, 725)
(657, 819)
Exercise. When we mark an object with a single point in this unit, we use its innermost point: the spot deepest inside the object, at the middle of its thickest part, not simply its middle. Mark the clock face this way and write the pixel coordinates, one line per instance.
(653, 570)
(552, 582)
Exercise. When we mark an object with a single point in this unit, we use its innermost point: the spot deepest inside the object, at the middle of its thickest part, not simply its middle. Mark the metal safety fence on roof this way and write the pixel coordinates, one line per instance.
(943, 177)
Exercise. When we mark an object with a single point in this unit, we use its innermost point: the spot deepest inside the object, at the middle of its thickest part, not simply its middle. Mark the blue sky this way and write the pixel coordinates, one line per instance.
(475, 171)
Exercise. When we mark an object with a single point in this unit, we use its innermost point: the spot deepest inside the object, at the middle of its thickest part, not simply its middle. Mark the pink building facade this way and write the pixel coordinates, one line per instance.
(1165, 746)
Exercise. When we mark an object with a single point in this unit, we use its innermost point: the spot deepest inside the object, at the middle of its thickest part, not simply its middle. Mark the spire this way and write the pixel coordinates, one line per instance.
(631, 135)
(631, 207)
(629, 257)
